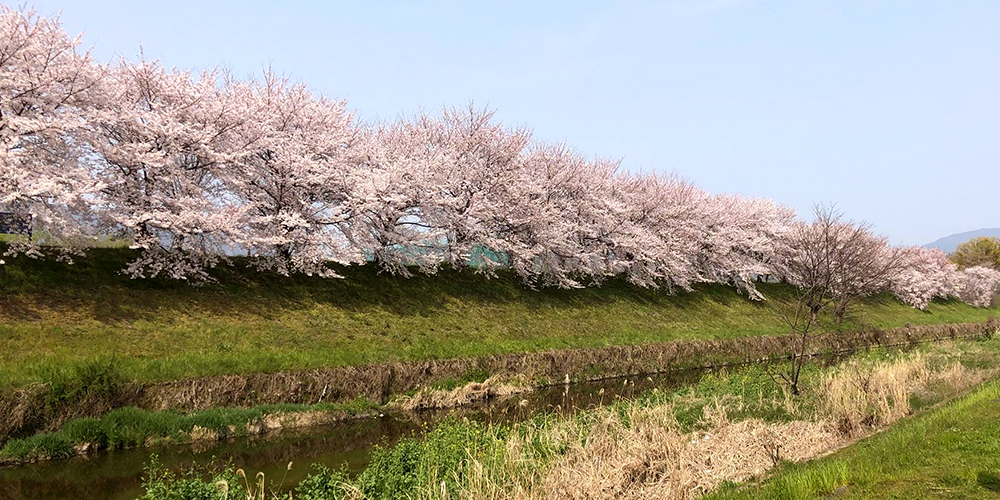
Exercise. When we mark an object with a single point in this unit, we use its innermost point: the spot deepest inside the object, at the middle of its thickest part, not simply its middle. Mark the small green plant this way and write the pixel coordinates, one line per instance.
(163, 484)
(323, 484)
(440, 458)
(99, 378)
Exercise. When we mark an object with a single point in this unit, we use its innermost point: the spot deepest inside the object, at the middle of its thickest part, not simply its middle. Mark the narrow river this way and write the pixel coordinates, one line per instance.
(117, 475)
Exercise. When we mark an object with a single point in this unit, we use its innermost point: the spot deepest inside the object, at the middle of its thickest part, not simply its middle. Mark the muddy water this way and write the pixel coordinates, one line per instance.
(117, 475)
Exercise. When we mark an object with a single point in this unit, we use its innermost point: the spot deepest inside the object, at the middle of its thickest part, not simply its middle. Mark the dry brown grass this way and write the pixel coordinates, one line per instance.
(493, 387)
(651, 459)
(862, 396)
(643, 453)
(640, 455)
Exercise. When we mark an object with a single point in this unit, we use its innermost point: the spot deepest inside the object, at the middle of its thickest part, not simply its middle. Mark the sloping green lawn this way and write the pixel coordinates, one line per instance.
(952, 452)
(55, 316)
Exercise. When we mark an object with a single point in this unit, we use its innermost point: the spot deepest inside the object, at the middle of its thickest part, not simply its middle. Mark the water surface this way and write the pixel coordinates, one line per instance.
(117, 475)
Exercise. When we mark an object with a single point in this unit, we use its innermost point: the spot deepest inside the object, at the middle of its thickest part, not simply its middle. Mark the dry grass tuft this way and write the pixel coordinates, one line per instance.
(862, 396)
(472, 392)
(651, 459)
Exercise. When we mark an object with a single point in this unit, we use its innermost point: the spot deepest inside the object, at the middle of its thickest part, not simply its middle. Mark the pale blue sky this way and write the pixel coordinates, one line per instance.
(891, 109)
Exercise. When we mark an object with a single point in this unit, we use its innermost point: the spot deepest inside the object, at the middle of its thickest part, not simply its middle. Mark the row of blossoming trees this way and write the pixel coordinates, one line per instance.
(193, 168)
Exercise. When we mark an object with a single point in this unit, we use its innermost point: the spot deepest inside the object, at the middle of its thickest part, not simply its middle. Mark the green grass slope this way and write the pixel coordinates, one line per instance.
(952, 452)
(56, 316)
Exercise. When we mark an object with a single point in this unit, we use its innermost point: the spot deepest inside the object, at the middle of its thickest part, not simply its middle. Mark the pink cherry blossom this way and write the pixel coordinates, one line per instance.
(193, 169)
(45, 93)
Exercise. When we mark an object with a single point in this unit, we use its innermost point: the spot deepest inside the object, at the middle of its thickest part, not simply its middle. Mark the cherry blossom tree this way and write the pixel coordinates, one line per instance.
(446, 189)
(446, 182)
(290, 179)
(475, 165)
(158, 138)
(557, 217)
(388, 189)
(978, 285)
(45, 92)
(190, 170)
(923, 274)
(652, 230)
(742, 239)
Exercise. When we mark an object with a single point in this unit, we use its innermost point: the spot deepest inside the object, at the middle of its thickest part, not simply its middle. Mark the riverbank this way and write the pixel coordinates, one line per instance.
(131, 427)
(117, 475)
(60, 322)
(39, 410)
(727, 428)
(82, 341)
(951, 452)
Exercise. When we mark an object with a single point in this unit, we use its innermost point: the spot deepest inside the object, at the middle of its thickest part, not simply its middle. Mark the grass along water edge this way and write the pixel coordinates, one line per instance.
(132, 427)
(727, 428)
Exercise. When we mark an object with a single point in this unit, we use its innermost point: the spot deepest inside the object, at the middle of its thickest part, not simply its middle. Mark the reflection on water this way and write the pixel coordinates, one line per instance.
(117, 475)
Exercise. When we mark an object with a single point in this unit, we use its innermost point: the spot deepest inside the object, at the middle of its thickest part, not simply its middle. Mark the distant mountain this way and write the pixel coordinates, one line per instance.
(950, 243)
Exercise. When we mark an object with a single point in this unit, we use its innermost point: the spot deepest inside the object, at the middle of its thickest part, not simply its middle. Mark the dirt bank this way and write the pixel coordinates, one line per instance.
(34, 409)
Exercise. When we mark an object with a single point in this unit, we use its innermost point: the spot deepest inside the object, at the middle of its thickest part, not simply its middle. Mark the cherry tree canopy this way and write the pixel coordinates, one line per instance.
(45, 95)
(192, 170)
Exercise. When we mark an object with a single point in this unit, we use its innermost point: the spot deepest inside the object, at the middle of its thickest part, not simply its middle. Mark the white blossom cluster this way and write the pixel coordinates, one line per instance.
(191, 169)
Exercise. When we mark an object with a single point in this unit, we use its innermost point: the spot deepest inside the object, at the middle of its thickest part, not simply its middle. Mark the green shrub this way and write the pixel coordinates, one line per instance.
(99, 378)
(323, 484)
(439, 457)
(131, 427)
(392, 471)
(87, 430)
(164, 484)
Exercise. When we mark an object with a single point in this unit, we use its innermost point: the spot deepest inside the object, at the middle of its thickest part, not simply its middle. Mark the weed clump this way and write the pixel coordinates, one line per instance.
(863, 395)
(97, 380)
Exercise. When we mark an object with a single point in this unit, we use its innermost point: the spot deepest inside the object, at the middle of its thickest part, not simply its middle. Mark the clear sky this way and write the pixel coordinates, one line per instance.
(890, 109)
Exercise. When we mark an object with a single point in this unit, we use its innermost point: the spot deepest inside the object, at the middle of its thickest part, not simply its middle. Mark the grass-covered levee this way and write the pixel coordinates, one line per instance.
(55, 317)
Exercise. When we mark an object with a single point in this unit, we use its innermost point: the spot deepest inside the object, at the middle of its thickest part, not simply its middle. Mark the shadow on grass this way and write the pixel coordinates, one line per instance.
(95, 288)
(988, 480)
(95, 284)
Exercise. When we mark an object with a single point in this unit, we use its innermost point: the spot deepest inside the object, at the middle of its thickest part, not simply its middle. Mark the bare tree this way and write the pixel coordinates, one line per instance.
(863, 264)
(807, 267)
(830, 262)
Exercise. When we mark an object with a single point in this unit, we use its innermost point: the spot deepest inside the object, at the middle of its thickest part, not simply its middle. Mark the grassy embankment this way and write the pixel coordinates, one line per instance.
(726, 429)
(952, 452)
(56, 318)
